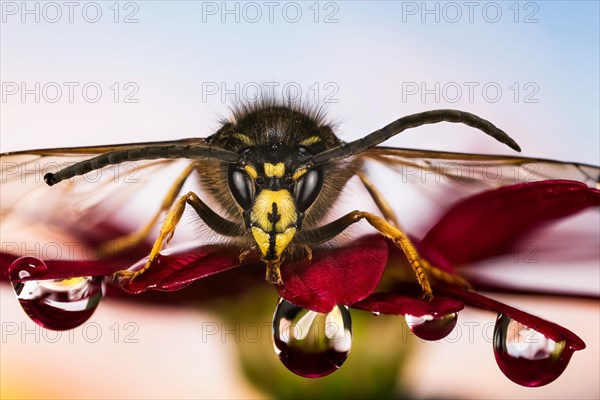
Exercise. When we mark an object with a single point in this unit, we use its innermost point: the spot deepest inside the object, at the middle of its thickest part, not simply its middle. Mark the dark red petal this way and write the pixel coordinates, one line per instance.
(487, 224)
(396, 303)
(339, 276)
(177, 268)
(398, 257)
(5, 261)
(547, 328)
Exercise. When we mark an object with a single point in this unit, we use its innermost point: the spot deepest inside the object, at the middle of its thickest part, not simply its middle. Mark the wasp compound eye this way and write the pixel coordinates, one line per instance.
(308, 188)
(241, 187)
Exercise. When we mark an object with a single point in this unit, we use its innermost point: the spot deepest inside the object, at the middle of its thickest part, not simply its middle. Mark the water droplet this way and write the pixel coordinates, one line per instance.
(526, 356)
(311, 344)
(57, 304)
(376, 313)
(428, 327)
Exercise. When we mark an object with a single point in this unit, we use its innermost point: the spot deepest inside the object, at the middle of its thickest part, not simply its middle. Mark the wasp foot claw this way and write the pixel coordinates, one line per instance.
(123, 276)
(245, 253)
(309, 254)
(427, 296)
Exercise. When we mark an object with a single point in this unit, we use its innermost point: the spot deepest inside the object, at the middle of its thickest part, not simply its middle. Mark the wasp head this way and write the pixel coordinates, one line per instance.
(274, 185)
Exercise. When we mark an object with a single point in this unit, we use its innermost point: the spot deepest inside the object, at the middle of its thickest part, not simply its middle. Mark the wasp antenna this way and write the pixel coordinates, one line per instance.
(151, 152)
(49, 179)
(412, 121)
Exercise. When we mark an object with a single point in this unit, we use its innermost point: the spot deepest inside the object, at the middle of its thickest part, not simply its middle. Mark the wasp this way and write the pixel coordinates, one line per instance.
(276, 169)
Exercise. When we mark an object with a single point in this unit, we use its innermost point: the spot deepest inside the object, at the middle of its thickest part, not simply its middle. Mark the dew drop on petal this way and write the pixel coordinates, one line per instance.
(526, 356)
(311, 344)
(428, 327)
(57, 304)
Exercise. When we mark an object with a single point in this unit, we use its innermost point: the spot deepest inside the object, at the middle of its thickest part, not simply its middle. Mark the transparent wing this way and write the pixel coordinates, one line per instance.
(95, 150)
(421, 184)
(82, 203)
(479, 172)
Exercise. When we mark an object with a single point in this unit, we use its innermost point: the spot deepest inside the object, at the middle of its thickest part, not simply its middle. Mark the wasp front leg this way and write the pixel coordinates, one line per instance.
(139, 236)
(398, 237)
(214, 221)
(388, 213)
(380, 201)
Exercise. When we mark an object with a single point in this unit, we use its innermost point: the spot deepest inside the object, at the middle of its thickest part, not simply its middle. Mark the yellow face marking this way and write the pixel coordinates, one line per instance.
(299, 173)
(251, 171)
(277, 170)
(273, 218)
(310, 140)
(243, 138)
(282, 240)
(263, 206)
(262, 239)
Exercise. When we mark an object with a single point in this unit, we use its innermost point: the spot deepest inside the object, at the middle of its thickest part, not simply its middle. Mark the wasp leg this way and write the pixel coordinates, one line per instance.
(245, 253)
(135, 238)
(388, 230)
(389, 214)
(214, 221)
(309, 253)
(380, 201)
(445, 276)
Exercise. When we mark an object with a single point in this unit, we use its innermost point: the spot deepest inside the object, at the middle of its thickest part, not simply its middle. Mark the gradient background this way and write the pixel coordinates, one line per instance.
(362, 57)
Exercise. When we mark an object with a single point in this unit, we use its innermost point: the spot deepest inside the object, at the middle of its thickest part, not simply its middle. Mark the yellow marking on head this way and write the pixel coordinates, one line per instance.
(251, 171)
(282, 240)
(243, 138)
(299, 173)
(277, 170)
(310, 140)
(263, 206)
(262, 239)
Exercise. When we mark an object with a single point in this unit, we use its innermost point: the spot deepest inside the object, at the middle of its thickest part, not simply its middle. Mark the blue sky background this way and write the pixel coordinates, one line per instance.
(368, 54)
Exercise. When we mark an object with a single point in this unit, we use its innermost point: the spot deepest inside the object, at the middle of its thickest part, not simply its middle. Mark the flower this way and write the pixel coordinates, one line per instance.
(353, 275)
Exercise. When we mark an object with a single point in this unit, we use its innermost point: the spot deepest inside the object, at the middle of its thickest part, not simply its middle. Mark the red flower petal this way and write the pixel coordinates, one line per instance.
(547, 328)
(177, 268)
(338, 276)
(487, 224)
(395, 303)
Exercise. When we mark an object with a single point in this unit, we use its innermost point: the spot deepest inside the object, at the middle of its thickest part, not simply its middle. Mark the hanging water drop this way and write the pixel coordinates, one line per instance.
(57, 304)
(526, 356)
(311, 344)
(428, 327)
